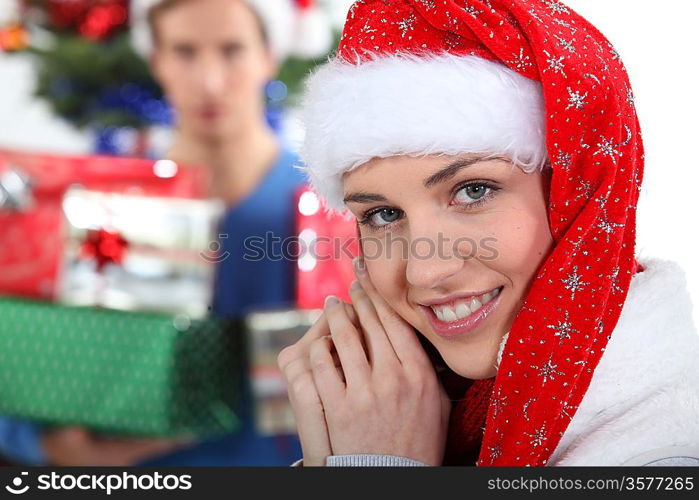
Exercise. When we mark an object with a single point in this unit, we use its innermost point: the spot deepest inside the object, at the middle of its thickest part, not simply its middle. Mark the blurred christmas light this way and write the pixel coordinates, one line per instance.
(276, 91)
(309, 204)
(165, 169)
(13, 38)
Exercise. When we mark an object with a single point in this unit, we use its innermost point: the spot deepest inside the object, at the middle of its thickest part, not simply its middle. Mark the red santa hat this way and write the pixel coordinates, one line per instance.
(294, 27)
(531, 79)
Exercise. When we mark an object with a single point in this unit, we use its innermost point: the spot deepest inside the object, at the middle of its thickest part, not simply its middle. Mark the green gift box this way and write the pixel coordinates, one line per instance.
(126, 373)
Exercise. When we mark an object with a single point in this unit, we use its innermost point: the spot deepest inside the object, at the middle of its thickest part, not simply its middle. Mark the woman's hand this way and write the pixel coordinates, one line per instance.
(308, 410)
(386, 399)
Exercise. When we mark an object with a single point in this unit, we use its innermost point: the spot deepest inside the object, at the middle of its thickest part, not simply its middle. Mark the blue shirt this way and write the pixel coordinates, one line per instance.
(255, 270)
(256, 245)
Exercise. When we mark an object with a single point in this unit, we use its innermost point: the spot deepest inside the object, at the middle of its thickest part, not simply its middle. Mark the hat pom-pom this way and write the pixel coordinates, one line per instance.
(314, 34)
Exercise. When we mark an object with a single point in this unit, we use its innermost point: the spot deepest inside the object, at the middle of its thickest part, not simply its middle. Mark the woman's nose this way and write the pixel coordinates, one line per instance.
(431, 260)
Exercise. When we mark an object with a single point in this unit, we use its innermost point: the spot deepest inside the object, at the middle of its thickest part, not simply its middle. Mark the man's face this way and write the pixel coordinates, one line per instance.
(212, 62)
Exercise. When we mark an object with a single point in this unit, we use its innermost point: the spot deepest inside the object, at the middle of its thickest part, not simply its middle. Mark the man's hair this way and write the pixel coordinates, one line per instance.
(159, 8)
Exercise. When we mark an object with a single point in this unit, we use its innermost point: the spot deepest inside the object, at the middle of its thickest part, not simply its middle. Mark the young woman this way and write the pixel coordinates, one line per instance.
(492, 157)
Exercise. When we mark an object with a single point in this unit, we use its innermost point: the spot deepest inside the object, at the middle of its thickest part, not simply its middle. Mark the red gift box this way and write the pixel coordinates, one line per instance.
(327, 243)
(31, 189)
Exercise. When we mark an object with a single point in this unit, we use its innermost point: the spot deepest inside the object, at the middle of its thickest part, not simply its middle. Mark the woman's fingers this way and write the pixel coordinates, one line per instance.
(327, 376)
(348, 342)
(379, 348)
(401, 334)
(308, 411)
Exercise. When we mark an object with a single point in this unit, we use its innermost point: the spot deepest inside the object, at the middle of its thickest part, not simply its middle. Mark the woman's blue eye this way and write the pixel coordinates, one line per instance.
(384, 216)
(471, 193)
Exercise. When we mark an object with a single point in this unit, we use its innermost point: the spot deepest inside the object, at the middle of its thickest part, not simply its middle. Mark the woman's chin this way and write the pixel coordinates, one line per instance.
(467, 363)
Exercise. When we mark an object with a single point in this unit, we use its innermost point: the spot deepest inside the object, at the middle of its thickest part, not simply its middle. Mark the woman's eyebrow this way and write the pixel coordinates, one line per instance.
(454, 168)
(364, 198)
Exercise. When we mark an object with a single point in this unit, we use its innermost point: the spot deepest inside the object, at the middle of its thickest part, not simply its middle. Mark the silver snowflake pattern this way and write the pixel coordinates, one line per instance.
(585, 189)
(472, 10)
(566, 408)
(602, 200)
(520, 61)
(614, 278)
(630, 98)
(556, 8)
(525, 407)
(494, 452)
(574, 282)
(561, 22)
(498, 403)
(615, 54)
(629, 135)
(406, 24)
(429, 4)
(354, 7)
(607, 147)
(367, 28)
(539, 437)
(577, 244)
(576, 99)
(452, 40)
(548, 370)
(536, 16)
(600, 327)
(605, 66)
(606, 226)
(564, 328)
(566, 44)
(555, 64)
(593, 77)
(564, 160)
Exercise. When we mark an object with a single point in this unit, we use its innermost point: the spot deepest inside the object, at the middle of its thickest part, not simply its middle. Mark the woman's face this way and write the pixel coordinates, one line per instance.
(452, 244)
(212, 61)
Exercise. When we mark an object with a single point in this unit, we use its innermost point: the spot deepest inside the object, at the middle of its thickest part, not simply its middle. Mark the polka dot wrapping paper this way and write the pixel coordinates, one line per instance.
(138, 374)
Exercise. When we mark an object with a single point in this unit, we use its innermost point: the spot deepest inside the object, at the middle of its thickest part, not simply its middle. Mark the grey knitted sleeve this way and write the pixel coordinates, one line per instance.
(371, 461)
(366, 461)
(675, 461)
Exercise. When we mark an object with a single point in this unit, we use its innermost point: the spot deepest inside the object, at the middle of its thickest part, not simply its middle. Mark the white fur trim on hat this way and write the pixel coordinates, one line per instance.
(410, 105)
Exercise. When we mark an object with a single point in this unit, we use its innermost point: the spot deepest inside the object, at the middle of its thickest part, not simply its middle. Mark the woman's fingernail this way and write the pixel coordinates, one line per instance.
(359, 265)
(331, 300)
(356, 286)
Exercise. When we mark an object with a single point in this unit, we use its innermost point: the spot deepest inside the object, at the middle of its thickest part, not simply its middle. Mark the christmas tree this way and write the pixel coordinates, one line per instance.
(90, 74)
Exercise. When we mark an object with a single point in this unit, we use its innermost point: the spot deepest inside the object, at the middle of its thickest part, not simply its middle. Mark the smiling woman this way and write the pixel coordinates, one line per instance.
(450, 292)
(438, 125)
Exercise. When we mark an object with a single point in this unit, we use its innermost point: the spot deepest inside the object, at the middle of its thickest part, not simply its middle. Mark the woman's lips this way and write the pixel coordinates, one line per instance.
(462, 326)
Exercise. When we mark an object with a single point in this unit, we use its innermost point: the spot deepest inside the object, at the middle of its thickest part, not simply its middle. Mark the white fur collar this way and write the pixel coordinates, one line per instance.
(643, 399)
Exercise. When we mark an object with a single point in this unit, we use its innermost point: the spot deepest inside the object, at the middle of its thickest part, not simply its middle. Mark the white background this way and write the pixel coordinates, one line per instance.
(658, 44)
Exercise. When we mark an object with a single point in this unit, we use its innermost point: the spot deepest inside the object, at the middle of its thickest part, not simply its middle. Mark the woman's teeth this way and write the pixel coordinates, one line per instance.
(463, 307)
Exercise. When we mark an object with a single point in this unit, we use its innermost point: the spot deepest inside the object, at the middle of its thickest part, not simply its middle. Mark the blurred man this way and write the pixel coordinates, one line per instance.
(213, 59)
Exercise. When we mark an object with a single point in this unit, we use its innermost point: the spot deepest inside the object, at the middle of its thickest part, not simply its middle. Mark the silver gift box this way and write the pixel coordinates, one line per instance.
(167, 265)
(268, 333)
